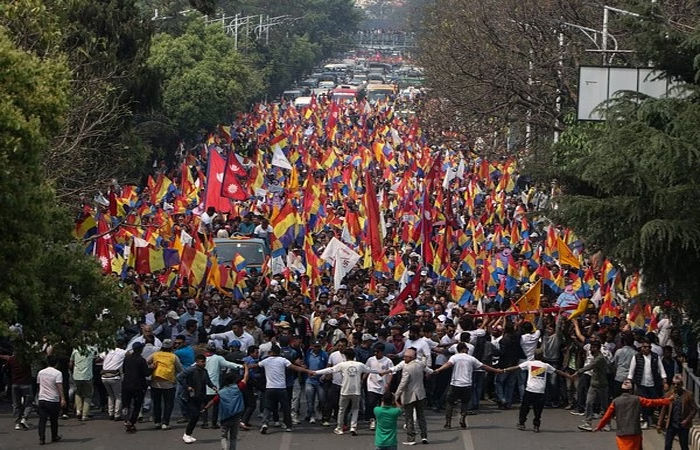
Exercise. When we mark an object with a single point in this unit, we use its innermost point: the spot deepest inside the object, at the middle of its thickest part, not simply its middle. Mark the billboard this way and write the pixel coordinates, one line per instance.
(598, 84)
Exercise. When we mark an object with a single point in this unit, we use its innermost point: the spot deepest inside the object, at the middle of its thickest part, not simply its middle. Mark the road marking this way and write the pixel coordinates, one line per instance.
(286, 441)
(467, 437)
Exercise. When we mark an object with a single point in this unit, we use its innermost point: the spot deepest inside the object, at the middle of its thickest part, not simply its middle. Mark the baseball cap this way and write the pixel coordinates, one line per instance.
(137, 345)
(167, 343)
(235, 343)
(367, 337)
(317, 342)
(342, 286)
(172, 315)
(333, 322)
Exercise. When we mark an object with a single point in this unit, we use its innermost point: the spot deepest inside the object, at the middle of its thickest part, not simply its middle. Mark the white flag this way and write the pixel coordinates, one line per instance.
(331, 249)
(345, 260)
(460, 169)
(279, 160)
(140, 243)
(185, 238)
(277, 265)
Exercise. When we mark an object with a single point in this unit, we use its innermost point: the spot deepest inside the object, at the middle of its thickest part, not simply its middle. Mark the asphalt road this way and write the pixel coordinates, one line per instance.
(491, 429)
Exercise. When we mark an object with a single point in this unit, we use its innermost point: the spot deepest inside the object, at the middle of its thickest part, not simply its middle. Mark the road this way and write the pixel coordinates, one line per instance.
(491, 429)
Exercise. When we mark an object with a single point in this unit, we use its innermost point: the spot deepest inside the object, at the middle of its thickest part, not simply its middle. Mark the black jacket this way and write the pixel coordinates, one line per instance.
(135, 371)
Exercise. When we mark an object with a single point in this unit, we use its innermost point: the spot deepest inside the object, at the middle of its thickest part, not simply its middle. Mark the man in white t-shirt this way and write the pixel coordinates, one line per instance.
(50, 398)
(276, 386)
(528, 342)
(537, 372)
(350, 390)
(377, 384)
(460, 388)
(333, 394)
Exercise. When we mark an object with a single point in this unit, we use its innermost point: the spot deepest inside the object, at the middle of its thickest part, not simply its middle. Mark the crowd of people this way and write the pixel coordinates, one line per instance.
(457, 290)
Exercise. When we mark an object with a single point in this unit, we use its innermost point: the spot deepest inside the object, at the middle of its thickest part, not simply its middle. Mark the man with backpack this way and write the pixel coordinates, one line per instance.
(231, 405)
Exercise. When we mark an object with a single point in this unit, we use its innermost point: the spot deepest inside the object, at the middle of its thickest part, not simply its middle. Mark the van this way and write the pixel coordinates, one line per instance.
(255, 251)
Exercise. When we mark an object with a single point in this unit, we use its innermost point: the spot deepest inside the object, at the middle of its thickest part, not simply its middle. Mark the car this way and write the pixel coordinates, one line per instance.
(380, 91)
(255, 251)
(326, 85)
(310, 82)
(292, 94)
(300, 102)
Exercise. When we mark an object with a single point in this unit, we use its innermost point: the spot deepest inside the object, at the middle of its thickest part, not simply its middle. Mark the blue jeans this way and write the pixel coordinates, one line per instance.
(313, 392)
(505, 385)
(522, 380)
(477, 389)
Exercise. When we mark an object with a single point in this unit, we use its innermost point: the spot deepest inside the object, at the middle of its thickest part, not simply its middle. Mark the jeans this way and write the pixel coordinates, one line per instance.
(332, 400)
(478, 377)
(553, 387)
(505, 385)
(419, 407)
(181, 401)
(534, 401)
(462, 394)
(373, 399)
(22, 401)
(682, 434)
(313, 393)
(596, 393)
(229, 432)
(250, 401)
(214, 413)
(442, 383)
(194, 406)
(50, 411)
(132, 401)
(346, 400)
(113, 386)
(584, 381)
(273, 399)
(522, 380)
(83, 396)
(163, 402)
(648, 392)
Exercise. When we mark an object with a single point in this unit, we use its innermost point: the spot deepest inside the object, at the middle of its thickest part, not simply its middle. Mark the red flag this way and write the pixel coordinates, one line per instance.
(186, 260)
(231, 187)
(372, 208)
(215, 178)
(112, 203)
(103, 249)
(412, 289)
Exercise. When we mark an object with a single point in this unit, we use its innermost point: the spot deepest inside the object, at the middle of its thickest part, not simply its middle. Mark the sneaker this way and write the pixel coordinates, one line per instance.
(521, 427)
(424, 441)
(312, 420)
(295, 421)
(165, 427)
(569, 407)
(243, 426)
(288, 429)
(156, 426)
(56, 439)
(18, 426)
(64, 416)
(576, 413)
(644, 425)
(409, 443)
(606, 428)
(372, 424)
(182, 420)
(188, 439)
(277, 424)
(463, 422)
(338, 430)
(536, 429)
(263, 429)
(326, 423)
(585, 427)
(353, 431)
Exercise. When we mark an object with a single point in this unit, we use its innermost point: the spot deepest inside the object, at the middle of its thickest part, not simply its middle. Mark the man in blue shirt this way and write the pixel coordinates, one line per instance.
(568, 297)
(192, 313)
(185, 353)
(316, 359)
(256, 382)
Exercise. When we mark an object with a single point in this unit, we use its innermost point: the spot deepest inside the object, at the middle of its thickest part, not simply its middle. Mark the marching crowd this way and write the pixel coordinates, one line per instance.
(430, 317)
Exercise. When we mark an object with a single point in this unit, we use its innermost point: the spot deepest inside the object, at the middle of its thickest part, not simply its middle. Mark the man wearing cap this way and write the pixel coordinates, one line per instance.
(677, 418)
(626, 408)
(377, 385)
(192, 313)
(315, 359)
(165, 366)
(214, 366)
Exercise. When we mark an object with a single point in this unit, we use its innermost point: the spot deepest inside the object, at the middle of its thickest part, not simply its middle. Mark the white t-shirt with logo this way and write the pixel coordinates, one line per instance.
(536, 375)
(47, 379)
(333, 360)
(375, 382)
(463, 366)
(352, 376)
(275, 371)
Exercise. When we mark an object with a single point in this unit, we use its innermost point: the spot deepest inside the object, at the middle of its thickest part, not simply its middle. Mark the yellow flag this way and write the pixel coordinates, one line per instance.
(199, 266)
(531, 300)
(580, 309)
(566, 256)
(155, 259)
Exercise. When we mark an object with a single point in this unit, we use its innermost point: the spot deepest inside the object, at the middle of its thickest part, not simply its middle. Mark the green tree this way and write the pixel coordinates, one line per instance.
(205, 81)
(48, 286)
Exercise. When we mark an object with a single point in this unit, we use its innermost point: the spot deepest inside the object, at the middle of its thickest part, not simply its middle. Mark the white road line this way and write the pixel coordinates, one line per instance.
(286, 441)
(467, 437)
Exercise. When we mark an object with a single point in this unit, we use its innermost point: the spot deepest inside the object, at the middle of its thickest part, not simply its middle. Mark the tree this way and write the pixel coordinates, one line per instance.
(49, 287)
(204, 79)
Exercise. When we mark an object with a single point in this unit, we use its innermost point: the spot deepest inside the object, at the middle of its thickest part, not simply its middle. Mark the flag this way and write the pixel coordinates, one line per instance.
(239, 262)
(531, 300)
(580, 309)
(279, 160)
(373, 219)
(231, 186)
(215, 178)
(566, 256)
(343, 258)
(412, 289)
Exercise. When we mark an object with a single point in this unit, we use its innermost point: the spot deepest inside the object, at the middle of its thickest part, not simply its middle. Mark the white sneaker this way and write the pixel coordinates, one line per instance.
(409, 443)
(338, 430)
(24, 424)
(353, 431)
(277, 424)
(188, 439)
(18, 426)
(312, 420)
(295, 421)
(645, 425)
(372, 424)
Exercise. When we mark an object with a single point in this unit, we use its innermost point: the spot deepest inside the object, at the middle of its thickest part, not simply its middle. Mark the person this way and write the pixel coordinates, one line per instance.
(677, 417)
(256, 382)
(81, 363)
(276, 387)
(166, 366)
(509, 351)
(214, 365)
(411, 395)
(648, 376)
(386, 417)
(236, 334)
(626, 408)
(535, 389)
(350, 389)
(315, 359)
(192, 313)
(377, 385)
(134, 384)
(230, 400)
(112, 379)
(463, 366)
(621, 360)
(333, 392)
(598, 389)
(50, 399)
(194, 381)
(21, 377)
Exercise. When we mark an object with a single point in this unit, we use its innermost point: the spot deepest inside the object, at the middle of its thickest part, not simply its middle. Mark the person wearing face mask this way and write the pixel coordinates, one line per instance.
(677, 417)
(625, 408)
